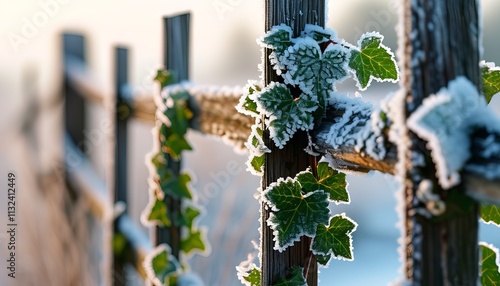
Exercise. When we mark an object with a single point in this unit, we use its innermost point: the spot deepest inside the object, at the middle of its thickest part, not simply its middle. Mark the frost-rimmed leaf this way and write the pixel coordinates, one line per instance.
(278, 39)
(248, 273)
(164, 77)
(323, 260)
(285, 114)
(255, 164)
(160, 264)
(195, 242)
(336, 238)
(373, 60)
(318, 33)
(491, 79)
(491, 214)
(296, 278)
(443, 120)
(329, 180)
(490, 263)
(293, 213)
(247, 104)
(315, 71)
(155, 213)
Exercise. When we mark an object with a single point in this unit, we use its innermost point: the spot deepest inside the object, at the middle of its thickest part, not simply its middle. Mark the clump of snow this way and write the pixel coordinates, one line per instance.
(445, 120)
(359, 126)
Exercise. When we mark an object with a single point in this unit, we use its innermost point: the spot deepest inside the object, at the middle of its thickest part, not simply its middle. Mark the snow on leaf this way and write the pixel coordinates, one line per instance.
(255, 164)
(318, 33)
(296, 278)
(373, 60)
(285, 114)
(335, 239)
(247, 104)
(490, 214)
(248, 273)
(194, 241)
(315, 71)
(490, 262)
(444, 120)
(160, 265)
(329, 180)
(278, 39)
(491, 79)
(294, 214)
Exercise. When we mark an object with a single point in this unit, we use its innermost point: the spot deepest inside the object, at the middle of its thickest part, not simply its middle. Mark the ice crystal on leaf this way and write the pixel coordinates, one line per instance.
(315, 71)
(444, 120)
(294, 213)
(491, 79)
(296, 278)
(329, 180)
(319, 34)
(373, 60)
(335, 239)
(248, 273)
(285, 114)
(490, 263)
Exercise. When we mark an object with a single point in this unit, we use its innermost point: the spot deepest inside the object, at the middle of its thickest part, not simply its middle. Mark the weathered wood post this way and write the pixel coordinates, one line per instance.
(441, 42)
(291, 159)
(176, 60)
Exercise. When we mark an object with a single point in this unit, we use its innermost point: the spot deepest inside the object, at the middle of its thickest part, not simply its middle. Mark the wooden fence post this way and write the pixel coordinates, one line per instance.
(441, 42)
(121, 114)
(291, 159)
(176, 59)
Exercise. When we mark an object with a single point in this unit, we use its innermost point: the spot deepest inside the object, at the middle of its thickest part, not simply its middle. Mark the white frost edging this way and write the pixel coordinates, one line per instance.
(445, 120)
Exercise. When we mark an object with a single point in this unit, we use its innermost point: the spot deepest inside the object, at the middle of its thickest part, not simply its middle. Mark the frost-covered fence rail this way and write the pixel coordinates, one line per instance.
(79, 87)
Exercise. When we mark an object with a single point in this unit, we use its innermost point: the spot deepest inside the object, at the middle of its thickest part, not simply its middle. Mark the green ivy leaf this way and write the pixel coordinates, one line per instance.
(373, 60)
(323, 259)
(159, 213)
(190, 214)
(247, 104)
(176, 144)
(193, 241)
(491, 214)
(315, 71)
(490, 273)
(179, 116)
(329, 180)
(164, 77)
(160, 264)
(294, 214)
(252, 277)
(256, 164)
(296, 278)
(491, 80)
(285, 114)
(335, 239)
(176, 186)
(279, 38)
(318, 33)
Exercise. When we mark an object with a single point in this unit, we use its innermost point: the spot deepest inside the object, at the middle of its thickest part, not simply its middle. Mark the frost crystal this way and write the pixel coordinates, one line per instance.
(445, 121)
(358, 127)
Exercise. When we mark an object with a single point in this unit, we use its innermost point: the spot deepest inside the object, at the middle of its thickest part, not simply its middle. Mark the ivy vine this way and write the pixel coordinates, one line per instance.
(312, 64)
(169, 135)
